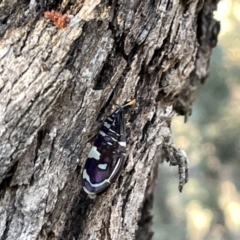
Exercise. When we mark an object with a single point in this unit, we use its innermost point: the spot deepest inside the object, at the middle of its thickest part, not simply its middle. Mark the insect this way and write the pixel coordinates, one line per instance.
(107, 155)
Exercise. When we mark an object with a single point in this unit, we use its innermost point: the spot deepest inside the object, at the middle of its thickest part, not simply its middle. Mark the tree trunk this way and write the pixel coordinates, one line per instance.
(55, 85)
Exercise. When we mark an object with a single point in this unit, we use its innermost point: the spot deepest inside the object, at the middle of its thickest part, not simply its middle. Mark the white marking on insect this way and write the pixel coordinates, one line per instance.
(109, 143)
(113, 132)
(114, 139)
(86, 176)
(109, 119)
(102, 133)
(106, 125)
(94, 153)
(90, 194)
(102, 166)
(115, 169)
(123, 144)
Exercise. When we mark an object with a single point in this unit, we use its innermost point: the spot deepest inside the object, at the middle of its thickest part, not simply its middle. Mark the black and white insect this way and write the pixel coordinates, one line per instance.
(107, 155)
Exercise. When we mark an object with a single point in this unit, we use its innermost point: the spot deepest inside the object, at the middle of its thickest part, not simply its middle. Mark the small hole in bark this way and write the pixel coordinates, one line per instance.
(7, 180)
(104, 76)
(103, 109)
(145, 131)
(176, 65)
(161, 95)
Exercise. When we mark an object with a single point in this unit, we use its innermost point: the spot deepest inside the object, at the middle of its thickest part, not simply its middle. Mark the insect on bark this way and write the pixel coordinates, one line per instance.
(107, 155)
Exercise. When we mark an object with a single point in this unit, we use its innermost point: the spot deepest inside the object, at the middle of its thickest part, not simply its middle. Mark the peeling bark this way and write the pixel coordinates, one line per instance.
(55, 84)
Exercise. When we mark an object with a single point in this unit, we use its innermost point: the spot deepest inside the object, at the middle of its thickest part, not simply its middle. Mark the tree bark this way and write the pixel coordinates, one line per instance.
(55, 85)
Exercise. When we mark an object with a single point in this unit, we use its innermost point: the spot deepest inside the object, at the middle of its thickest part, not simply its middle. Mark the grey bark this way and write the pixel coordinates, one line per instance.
(53, 84)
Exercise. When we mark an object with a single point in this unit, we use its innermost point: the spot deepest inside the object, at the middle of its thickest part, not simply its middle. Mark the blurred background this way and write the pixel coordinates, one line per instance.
(209, 207)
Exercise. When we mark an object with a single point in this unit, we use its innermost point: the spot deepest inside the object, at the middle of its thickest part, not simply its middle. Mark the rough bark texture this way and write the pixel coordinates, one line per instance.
(56, 83)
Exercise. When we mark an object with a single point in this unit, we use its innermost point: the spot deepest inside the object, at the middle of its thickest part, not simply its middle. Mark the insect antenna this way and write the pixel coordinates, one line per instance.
(129, 104)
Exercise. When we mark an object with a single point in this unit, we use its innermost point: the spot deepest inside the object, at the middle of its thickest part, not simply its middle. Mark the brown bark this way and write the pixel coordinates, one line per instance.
(53, 83)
